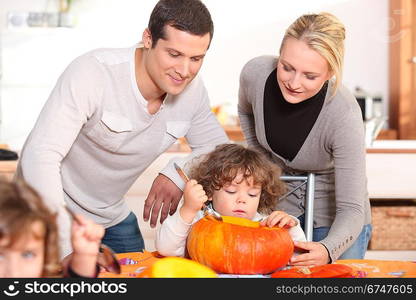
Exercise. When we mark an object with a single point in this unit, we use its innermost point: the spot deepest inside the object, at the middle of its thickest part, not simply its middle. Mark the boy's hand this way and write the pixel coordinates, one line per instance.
(86, 236)
(194, 198)
(280, 219)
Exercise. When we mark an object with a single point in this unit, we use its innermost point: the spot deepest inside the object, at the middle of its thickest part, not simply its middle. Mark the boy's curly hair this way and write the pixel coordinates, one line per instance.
(20, 207)
(221, 166)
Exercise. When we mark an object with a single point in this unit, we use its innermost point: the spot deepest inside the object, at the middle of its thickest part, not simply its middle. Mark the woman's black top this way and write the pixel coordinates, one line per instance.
(287, 125)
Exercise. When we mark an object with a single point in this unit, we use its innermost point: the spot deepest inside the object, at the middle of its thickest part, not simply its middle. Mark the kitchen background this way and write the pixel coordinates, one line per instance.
(38, 38)
(32, 57)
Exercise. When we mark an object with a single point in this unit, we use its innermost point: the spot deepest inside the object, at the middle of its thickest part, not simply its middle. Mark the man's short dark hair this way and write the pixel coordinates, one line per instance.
(190, 16)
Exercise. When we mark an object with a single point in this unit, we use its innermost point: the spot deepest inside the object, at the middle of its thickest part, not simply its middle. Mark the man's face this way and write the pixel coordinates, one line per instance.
(175, 61)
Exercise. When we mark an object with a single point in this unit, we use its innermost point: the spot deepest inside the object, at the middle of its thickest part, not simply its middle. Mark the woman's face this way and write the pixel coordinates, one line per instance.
(25, 257)
(301, 71)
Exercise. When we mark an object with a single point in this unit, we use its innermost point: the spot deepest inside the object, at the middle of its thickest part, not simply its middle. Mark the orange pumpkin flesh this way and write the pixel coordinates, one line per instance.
(324, 271)
(239, 246)
(177, 267)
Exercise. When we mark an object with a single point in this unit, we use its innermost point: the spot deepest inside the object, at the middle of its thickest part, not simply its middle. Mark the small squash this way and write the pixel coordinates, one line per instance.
(324, 271)
(177, 267)
(239, 246)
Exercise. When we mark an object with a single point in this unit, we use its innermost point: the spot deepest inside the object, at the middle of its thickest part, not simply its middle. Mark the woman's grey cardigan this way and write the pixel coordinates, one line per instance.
(334, 150)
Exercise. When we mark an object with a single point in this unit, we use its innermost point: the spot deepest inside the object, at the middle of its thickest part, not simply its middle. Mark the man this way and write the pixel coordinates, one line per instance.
(112, 113)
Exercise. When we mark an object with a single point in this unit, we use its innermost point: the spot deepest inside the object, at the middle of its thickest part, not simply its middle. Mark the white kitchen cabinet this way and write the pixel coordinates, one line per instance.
(391, 169)
(391, 175)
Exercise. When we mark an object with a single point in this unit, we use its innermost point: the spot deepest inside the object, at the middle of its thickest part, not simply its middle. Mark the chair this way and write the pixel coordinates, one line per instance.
(309, 180)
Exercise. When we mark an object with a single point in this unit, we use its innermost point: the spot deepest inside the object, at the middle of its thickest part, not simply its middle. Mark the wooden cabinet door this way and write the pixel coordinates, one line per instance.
(402, 38)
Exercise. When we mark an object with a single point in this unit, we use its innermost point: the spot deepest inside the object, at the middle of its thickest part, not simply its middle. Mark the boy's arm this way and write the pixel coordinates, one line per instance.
(171, 236)
(296, 232)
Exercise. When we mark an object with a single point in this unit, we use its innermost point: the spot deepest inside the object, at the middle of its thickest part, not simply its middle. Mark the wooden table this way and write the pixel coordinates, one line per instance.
(135, 262)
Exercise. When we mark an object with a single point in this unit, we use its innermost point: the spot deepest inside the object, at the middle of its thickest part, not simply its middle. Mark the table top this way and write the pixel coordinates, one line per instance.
(133, 263)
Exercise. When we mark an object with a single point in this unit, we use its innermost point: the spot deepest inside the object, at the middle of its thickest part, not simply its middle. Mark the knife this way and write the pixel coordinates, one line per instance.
(207, 211)
(181, 173)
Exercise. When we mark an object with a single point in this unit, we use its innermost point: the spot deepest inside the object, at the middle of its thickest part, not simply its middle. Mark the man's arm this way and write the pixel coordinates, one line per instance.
(204, 134)
(68, 108)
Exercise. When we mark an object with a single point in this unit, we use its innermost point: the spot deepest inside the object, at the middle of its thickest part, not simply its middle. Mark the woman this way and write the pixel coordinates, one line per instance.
(295, 109)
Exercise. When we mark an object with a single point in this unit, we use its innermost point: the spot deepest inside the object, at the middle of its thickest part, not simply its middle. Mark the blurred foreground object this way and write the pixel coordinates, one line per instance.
(177, 267)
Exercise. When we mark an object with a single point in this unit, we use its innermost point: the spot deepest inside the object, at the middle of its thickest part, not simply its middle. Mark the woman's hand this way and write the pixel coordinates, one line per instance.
(194, 198)
(316, 255)
(280, 219)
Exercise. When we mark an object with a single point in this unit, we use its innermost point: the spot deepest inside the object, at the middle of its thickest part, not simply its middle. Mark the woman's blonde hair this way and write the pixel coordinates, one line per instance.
(221, 166)
(20, 207)
(325, 34)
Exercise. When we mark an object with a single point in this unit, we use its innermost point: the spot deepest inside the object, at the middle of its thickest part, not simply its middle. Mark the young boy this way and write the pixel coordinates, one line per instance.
(235, 181)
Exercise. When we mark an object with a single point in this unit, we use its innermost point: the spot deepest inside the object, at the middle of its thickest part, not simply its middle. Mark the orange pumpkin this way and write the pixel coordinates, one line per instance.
(324, 271)
(239, 246)
(177, 267)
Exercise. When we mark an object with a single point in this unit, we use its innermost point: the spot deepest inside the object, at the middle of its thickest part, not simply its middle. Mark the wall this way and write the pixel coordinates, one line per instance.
(32, 59)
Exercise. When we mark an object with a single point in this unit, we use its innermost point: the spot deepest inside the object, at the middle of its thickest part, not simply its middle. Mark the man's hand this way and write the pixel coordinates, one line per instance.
(162, 193)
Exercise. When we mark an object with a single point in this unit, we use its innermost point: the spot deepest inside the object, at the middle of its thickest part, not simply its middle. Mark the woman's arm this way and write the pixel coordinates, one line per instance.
(253, 78)
(346, 142)
(351, 195)
(245, 111)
